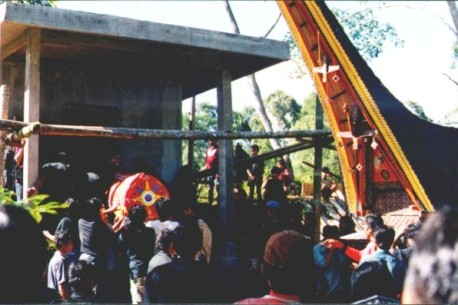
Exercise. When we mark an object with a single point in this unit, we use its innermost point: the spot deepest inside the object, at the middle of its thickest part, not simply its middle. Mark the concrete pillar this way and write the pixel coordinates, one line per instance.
(228, 258)
(171, 119)
(32, 106)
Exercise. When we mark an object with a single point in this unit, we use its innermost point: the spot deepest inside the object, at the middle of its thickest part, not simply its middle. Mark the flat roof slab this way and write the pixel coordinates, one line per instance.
(189, 55)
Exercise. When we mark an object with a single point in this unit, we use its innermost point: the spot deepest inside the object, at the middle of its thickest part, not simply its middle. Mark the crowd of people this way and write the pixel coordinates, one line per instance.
(172, 259)
(92, 264)
(277, 185)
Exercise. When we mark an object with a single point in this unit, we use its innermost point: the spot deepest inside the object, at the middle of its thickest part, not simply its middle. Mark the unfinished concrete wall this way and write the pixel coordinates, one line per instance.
(110, 94)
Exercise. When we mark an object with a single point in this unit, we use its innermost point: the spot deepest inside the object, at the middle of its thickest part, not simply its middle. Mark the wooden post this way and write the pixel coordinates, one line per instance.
(32, 106)
(317, 172)
(4, 106)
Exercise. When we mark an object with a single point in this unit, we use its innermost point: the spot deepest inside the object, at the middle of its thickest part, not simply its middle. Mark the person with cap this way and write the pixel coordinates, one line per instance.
(273, 222)
(288, 268)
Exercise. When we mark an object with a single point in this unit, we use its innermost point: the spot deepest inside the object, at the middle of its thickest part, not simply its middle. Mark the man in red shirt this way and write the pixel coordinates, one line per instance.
(211, 163)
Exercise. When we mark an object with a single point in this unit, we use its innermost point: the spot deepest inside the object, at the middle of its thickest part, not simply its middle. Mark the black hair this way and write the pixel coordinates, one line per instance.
(412, 230)
(374, 221)
(62, 238)
(369, 279)
(137, 215)
(384, 237)
(187, 240)
(282, 162)
(166, 208)
(90, 208)
(163, 240)
(331, 232)
(23, 256)
(255, 147)
(274, 171)
(73, 210)
(432, 276)
(346, 225)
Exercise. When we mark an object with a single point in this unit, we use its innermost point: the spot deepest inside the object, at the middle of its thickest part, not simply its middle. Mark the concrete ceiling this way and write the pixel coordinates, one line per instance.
(191, 56)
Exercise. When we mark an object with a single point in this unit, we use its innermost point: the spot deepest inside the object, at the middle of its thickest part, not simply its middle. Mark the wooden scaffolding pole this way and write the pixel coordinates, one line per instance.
(131, 133)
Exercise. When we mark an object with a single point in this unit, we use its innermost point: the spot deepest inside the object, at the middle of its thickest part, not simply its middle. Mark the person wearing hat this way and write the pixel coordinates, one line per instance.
(273, 222)
(288, 268)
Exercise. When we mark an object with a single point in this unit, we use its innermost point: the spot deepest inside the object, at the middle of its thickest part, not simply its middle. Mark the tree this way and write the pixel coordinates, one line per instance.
(366, 33)
(49, 3)
(206, 118)
(283, 108)
(261, 110)
(454, 13)
(451, 119)
(307, 121)
(417, 109)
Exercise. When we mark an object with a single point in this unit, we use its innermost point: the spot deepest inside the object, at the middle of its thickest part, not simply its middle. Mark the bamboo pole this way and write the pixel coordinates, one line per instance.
(313, 166)
(131, 133)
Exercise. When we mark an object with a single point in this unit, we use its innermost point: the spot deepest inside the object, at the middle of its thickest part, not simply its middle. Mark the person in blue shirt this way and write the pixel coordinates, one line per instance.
(384, 237)
(334, 269)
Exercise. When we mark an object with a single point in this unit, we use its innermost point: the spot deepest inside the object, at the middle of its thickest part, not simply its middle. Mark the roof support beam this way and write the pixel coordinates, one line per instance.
(15, 45)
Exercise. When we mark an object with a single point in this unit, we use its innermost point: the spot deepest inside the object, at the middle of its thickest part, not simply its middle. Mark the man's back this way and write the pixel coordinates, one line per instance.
(396, 266)
(181, 281)
(58, 181)
(138, 244)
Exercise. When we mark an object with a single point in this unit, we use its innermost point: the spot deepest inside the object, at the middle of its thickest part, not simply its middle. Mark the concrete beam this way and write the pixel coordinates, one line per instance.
(91, 23)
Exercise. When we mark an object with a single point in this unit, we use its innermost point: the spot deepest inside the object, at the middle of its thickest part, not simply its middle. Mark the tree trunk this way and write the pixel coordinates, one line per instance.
(261, 110)
(454, 13)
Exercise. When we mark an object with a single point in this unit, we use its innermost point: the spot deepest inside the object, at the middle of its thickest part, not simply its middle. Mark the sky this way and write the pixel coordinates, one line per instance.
(414, 72)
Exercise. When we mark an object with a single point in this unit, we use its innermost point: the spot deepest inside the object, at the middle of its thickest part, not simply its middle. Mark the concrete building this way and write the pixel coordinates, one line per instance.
(77, 68)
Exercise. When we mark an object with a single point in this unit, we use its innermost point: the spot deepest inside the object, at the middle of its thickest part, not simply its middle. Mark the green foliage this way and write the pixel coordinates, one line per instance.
(302, 172)
(451, 118)
(283, 108)
(206, 118)
(34, 204)
(49, 3)
(287, 112)
(455, 54)
(417, 109)
(366, 33)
